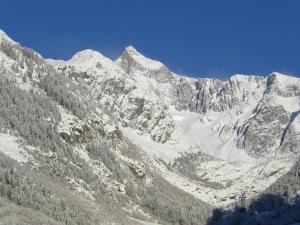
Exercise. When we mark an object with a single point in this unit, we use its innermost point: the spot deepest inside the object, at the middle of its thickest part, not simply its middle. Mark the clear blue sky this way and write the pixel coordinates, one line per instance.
(195, 37)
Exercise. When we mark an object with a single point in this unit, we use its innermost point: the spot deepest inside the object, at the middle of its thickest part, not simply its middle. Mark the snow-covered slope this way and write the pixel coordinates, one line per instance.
(62, 153)
(217, 140)
(133, 100)
(222, 109)
(242, 123)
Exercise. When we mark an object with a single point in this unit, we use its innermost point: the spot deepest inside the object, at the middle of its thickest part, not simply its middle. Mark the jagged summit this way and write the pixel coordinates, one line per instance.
(131, 59)
(136, 64)
(132, 50)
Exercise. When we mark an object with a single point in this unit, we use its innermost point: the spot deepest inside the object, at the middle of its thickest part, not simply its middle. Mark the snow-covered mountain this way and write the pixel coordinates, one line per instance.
(248, 124)
(242, 111)
(218, 141)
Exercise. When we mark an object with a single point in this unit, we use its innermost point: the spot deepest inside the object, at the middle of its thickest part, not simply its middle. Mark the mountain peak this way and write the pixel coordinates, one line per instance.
(133, 58)
(87, 53)
(88, 56)
(132, 50)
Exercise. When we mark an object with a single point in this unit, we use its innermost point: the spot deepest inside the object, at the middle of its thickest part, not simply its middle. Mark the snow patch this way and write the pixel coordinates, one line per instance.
(9, 146)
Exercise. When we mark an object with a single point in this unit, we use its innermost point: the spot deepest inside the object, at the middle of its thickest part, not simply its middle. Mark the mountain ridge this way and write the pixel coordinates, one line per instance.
(127, 130)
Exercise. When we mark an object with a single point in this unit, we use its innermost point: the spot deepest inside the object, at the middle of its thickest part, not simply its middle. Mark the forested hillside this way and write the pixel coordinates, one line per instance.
(77, 168)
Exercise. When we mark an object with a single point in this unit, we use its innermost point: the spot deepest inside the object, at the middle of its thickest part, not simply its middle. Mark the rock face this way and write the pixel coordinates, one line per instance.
(248, 111)
(263, 133)
(186, 95)
(132, 62)
(211, 94)
(137, 168)
(273, 120)
(219, 96)
(207, 90)
(119, 93)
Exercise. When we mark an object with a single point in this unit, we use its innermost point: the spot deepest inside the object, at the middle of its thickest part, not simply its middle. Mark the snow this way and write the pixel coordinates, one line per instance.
(193, 132)
(241, 178)
(231, 166)
(213, 132)
(91, 62)
(296, 124)
(3, 35)
(192, 135)
(291, 104)
(9, 146)
(145, 62)
(87, 57)
(245, 174)
(225, 174)
(68, 121)
(284, 79)
(56, 62)
(241, 77)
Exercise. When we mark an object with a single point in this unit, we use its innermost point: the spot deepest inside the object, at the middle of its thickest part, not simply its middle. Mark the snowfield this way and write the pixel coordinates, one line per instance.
(245, 176)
